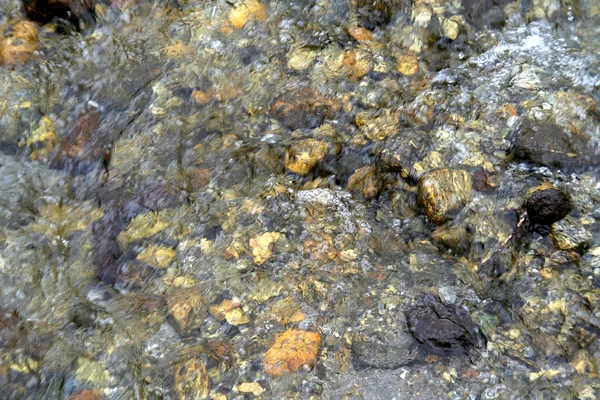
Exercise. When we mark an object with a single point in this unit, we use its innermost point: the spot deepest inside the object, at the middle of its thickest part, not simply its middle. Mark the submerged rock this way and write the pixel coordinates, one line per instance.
(455, 238)
(187, 310)
(45, 11)
(387, 350)
(545, 204)
(20, 45)
(400, 153)
(374, 13)
(302, 108)
(443, 191)
(568, 235)
(367, 181)
(550, 145)
(292, 350)
(305, 155)
(442, 328)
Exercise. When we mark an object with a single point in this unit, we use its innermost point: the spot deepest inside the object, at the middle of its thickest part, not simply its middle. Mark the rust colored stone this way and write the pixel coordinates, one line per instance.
(292, 350)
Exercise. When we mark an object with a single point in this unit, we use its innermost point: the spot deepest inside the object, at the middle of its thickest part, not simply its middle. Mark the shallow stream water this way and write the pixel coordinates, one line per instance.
(301, 200)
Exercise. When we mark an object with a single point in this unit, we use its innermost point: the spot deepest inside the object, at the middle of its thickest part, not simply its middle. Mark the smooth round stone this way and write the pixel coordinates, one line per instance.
(443, 192)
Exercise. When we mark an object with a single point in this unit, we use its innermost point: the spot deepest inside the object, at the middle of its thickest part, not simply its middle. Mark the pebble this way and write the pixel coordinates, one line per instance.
(19, 47)
(545, 204)
(444, 191)
(305, 155)
(292, 350)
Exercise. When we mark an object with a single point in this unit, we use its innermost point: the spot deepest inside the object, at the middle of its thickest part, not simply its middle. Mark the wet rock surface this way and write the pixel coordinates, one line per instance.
(443, 192)
(442, 328)
(389, 350)
(74, 11)
(551, 145)
(545, 204)
(255, 199)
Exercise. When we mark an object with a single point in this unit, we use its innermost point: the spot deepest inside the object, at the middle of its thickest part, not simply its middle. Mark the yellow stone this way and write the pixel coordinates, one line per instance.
(46, 134)
(443, 191)
(192, 380)
(407, 64)
(229, 312)
(142, 227)
(200, 97)
(251, 387)
(357, 64)
(451, 29)
(91, 371)
(183, 282)
(61, 220)
(174, 50)
(301, 58)
(157, 256)
(304, 156)
(248, 10)
(262, 246)
(557, 306)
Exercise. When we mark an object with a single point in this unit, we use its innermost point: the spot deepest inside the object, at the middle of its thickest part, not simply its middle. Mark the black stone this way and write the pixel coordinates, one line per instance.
(74, 11)
(550, 145)
(443, 329)
(546, 206)
(485, 13)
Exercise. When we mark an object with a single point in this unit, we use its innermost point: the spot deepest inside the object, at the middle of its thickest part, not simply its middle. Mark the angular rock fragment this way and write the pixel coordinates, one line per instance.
(443, 191)
(545, 204)
(569, 235)
(441, 328)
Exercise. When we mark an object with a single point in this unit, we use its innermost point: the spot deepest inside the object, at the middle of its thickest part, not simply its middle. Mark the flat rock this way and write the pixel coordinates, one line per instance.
(303, 108)
(550, 145)
(441, 328)
(384, 351)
